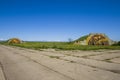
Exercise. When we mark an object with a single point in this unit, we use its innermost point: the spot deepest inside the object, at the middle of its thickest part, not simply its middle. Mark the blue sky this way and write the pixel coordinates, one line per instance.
(58, 20)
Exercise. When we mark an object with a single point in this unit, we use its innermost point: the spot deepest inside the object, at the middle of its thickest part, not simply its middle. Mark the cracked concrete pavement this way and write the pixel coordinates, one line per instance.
(26, 64)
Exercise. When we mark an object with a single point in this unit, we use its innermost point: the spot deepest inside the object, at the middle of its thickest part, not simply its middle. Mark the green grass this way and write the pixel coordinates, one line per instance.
(60, 45)
(82, 38)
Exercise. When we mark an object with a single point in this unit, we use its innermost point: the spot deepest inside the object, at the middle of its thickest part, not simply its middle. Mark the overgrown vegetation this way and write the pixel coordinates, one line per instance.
(60, 45)
(82, 38)
(14, 41)
(117, 44)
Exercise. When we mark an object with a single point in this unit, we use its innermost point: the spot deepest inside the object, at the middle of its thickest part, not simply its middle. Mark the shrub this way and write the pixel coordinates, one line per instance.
(116, 44)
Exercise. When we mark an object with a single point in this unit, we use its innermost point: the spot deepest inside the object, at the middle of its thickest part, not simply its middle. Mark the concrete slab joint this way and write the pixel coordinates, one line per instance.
(2, 77)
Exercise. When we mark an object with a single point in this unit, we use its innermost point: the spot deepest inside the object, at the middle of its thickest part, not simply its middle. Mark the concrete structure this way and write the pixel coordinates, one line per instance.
(94, 39)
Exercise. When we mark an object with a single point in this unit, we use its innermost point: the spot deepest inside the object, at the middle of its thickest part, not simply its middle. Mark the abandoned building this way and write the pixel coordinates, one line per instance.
(94, 39)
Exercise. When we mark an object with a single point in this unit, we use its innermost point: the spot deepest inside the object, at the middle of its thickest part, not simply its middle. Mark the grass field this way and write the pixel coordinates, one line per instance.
(60, 45)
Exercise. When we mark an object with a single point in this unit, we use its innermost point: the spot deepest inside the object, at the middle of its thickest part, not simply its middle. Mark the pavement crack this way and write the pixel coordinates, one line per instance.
(113, 71)
(48, 67)
(4, 75)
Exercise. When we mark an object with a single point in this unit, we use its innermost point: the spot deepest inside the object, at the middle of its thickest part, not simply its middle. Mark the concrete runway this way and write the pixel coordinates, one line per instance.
(26, 64)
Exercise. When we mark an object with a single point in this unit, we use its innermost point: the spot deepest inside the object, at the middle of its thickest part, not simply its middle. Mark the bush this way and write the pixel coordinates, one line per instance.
(117, 44)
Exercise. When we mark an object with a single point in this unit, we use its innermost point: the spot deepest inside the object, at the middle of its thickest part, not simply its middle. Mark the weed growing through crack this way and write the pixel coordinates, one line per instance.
(72, 61)
(107, 60)
(57, 57)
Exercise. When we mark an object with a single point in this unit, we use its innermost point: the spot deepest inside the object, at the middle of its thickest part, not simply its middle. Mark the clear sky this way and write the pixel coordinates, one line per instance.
(58, 20)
